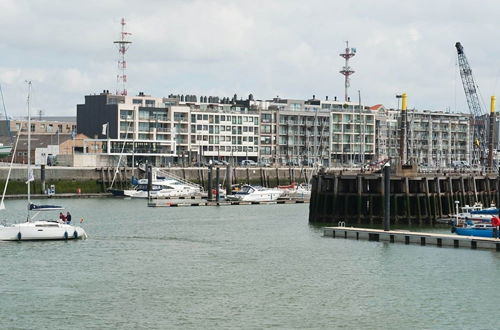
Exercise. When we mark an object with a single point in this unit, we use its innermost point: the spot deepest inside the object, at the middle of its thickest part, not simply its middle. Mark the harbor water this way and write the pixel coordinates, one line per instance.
(235, 267)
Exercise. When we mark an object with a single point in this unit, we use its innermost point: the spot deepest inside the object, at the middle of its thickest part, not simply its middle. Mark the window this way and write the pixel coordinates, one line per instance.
(266, 117)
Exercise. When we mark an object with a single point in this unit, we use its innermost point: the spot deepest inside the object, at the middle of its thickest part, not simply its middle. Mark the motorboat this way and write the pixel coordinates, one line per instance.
(164, 188)
(476, 213)
(29, 228)
(295, 190)
(250, 193)
(474, 229)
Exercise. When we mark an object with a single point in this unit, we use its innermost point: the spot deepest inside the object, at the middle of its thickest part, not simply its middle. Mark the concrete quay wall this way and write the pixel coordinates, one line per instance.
(266, 176)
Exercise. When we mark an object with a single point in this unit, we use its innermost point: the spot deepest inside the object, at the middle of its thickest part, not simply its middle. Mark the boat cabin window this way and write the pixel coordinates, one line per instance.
(247, 190)
(48, 225)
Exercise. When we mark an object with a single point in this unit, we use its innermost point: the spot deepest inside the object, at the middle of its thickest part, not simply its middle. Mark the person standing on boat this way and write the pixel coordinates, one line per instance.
(495, 222)
(62, 217)
(68, 218)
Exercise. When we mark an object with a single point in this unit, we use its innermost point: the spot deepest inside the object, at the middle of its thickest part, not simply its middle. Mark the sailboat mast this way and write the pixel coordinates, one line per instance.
(29, 146)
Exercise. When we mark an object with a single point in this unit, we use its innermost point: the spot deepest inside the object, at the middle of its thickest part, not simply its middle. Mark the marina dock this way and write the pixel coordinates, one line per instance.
(409, 237)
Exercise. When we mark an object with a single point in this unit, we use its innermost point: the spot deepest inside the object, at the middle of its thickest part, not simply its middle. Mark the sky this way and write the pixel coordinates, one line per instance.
(269, 48)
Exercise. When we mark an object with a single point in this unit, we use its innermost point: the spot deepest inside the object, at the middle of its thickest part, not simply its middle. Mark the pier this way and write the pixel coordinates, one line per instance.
(416, 198)
(408, 237)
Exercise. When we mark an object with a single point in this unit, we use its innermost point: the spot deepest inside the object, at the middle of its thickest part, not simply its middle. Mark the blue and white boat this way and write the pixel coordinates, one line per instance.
(476, 213)
(478, 230)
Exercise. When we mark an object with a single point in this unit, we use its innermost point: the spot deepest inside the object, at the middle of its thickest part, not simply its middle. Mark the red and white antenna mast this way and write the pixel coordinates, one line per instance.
(346, 69)
(123, 45)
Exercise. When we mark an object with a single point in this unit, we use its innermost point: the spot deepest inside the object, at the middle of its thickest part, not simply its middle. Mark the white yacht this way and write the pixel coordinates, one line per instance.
(166, 188)
(28, 228)
(249, 193)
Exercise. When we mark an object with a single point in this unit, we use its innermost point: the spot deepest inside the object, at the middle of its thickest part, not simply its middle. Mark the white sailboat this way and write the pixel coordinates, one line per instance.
(31, 229)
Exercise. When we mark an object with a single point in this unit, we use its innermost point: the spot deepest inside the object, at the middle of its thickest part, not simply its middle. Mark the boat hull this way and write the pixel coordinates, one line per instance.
(270, 195)
(483, 232)
(41, 230)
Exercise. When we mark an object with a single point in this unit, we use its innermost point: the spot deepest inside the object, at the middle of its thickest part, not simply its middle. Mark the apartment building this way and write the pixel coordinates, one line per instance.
(187, 129)
(434, 138)
(353, 132)
(41, 126)
(176, 128)
(294, 132)
(438, 138)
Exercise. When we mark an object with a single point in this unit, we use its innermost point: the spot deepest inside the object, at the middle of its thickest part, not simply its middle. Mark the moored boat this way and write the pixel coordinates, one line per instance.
(249, 193)
(166, 188)
(477, 229)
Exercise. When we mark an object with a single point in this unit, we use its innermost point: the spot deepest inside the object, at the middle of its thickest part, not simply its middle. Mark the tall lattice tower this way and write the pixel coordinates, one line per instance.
(346, 69)
(123, 45)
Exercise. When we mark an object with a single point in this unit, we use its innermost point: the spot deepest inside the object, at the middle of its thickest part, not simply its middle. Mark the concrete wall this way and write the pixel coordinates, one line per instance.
(255, 175)
(86, 160)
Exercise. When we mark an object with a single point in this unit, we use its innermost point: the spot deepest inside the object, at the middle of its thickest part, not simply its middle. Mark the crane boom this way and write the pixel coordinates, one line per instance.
(468, 82)
(478, 120)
